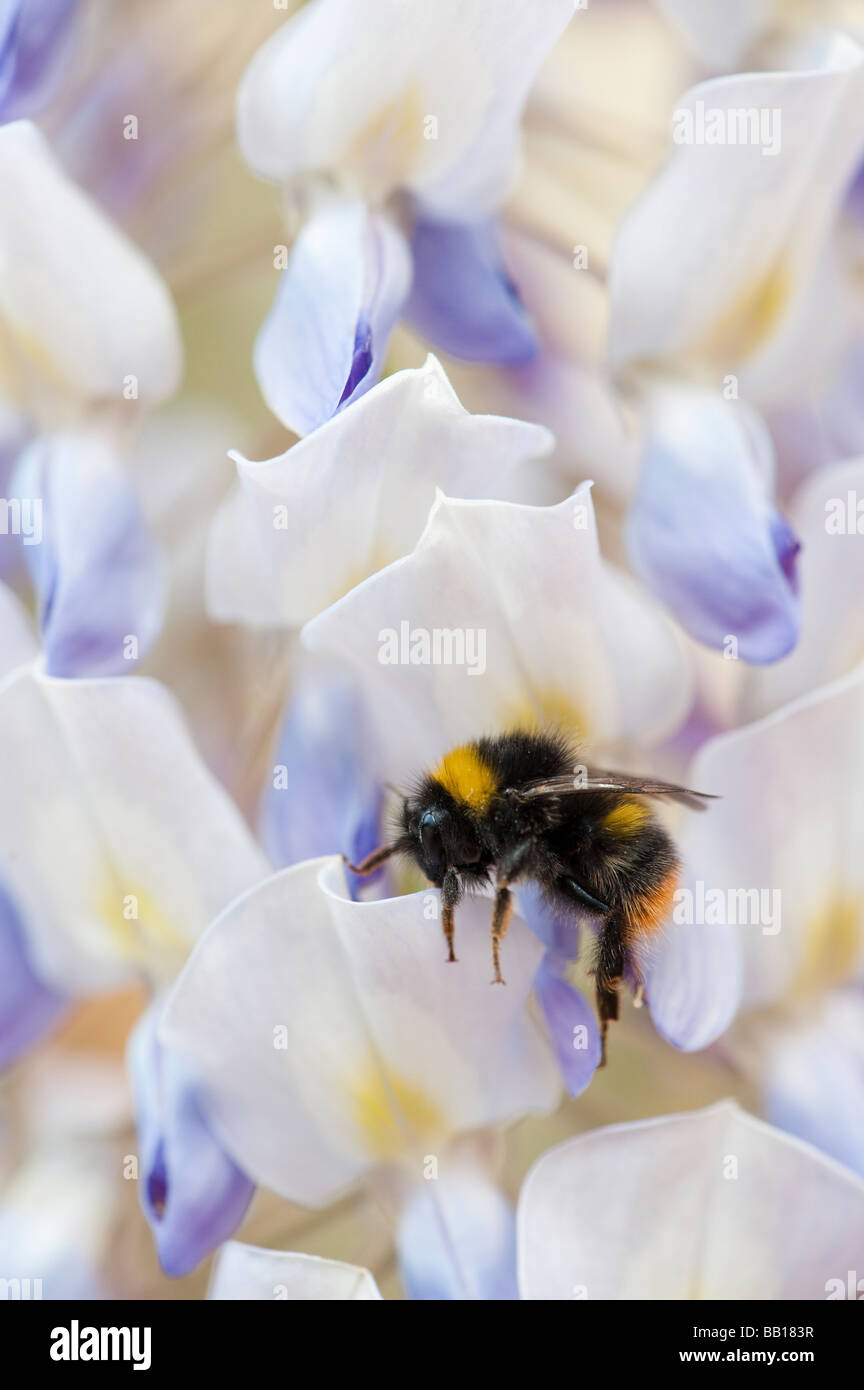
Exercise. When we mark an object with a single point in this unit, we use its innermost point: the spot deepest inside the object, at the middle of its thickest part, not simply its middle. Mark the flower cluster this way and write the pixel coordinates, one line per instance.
(378, 379)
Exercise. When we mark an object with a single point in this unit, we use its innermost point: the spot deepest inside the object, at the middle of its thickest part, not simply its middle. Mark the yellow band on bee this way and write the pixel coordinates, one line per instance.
(463, 773)
(626, 818)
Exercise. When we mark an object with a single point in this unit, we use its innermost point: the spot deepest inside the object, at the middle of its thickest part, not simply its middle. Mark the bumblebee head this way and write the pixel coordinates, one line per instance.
(441, 836)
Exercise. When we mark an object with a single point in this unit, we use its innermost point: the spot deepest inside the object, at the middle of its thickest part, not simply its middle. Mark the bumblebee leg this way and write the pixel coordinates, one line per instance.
(450, 895)
(501, 914)
(608, 972)
(371, 862)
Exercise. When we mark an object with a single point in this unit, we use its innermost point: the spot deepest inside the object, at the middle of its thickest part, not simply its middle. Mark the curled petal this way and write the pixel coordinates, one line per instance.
(191, 1192)
(333, 1036)
(249, 1272)
(505, 616)
(398, 94)
(704, 532)
(302, 529)
(462, 298)
(323, 343)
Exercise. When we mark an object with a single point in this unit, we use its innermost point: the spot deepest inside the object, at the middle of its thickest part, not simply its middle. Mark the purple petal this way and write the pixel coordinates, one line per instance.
(457, 1241)
(706, 537)
(558, 931)
(97, 572)
(572, 1026)
(462, 298)
(193, 1195)
(32, 33)
(324, 341)
(321, 798)
(28, 1008)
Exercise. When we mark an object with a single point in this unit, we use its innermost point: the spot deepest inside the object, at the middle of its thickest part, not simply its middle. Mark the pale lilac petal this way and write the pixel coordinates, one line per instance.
(322, 797)
(28, 1007)
(32, 37)
(193, 1195)
(571, 1023)
(457, 1240)
(704, 533)
(324, 341)
(709, 1205)
(97, 570)
(692, 980)
(462, 298)
(813, 1079)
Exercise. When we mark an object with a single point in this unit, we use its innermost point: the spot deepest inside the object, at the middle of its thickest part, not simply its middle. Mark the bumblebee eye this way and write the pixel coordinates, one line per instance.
(430, 839)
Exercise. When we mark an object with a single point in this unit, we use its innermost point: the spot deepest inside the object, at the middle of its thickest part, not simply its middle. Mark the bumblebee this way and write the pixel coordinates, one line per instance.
(520, 807)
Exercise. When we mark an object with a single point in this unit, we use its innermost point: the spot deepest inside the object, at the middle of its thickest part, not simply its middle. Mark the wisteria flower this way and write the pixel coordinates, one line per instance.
(419, 169)
(730, 1223)
(710, 289)
(300, 530)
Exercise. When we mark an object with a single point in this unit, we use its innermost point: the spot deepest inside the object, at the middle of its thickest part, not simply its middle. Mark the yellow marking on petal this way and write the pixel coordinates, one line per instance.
(393, 1113)
(463, 773)
(751, 318)
(385, 150)
(833, 945)
(378, 560)
(138, 925)
(548, 708)
(626, 818)
(23, 355)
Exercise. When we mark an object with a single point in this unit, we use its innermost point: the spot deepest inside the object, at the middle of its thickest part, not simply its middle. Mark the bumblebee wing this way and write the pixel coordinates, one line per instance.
(617, 782)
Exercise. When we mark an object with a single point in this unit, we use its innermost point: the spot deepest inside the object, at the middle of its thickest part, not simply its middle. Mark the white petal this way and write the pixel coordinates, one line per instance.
(781, 850)
(825, 517)
(18, 644)
(712, 1204)
(300, 530)
(713, 262)
(720, 34)
(106, 810)
(250, 1272)
(536, 626)
(354, 89)
(330, 1036)
(82, 309)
